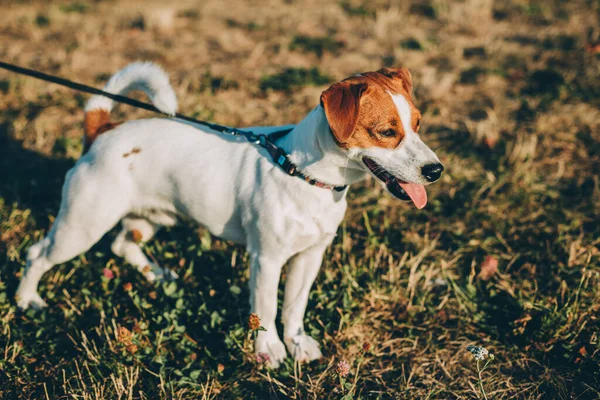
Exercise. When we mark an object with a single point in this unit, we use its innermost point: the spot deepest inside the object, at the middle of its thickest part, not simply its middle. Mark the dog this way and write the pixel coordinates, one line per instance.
(150, 173)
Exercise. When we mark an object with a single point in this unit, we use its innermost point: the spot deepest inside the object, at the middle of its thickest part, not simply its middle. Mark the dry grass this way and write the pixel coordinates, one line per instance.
(510, 99)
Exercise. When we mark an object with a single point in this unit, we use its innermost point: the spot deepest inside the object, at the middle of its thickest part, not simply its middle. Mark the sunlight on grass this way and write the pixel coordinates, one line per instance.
(505, 256)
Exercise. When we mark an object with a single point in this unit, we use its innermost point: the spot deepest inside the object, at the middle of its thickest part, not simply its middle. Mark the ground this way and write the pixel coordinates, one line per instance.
(504, 256)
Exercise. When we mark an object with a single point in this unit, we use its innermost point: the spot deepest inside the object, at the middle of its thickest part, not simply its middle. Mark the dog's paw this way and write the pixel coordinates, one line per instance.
(30, 300)
(269, 349)
(303, 348)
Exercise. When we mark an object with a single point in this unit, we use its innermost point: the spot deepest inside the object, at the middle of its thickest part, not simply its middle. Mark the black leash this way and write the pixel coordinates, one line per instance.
(280, 157)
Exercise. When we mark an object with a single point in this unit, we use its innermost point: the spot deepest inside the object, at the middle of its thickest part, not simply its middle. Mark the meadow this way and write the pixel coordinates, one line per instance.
(504, 256)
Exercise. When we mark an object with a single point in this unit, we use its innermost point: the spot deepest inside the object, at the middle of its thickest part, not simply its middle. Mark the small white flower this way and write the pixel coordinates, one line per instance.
(479, 353)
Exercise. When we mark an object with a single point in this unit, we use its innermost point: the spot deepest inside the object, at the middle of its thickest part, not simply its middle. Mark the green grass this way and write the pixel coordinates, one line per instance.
(42, 20)
(411, 44)
(213, 84)
(291, 78)
(514, 119)
(357, 9)
(75, 7)
(317, 45)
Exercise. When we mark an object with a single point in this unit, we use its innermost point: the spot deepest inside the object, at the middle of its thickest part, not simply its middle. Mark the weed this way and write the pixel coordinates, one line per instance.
(471, 52)
(290, 78)
(317, 45)
(249, 26)
(354, 9)
(213, 84)
(75, 7)
(138, 22)
(4, 86)
(190, 13)
(411, 44)
(42, 20)
(426, 9)
(545, 81)
(481, 354)
(471, 75)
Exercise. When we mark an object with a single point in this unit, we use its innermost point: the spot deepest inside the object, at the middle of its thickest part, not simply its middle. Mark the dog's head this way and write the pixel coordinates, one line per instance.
(374, 120)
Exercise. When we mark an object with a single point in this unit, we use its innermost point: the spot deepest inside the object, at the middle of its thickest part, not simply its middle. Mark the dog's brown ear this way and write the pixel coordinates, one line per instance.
(402, 74)
(341, 103)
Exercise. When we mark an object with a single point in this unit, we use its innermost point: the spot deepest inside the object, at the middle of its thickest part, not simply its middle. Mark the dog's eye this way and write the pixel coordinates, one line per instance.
(388, 133)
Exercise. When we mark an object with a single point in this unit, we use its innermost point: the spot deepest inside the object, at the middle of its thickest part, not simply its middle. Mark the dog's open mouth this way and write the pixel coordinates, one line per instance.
(399, 189)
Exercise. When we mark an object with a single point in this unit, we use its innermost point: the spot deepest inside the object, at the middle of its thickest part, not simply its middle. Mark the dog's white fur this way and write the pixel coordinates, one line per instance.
(144, 76)
(404, 161)
(181, 170)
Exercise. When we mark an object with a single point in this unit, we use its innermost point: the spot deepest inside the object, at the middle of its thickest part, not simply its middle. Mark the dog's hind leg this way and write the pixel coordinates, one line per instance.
(37, 264)
(87, 212)
(127, 245)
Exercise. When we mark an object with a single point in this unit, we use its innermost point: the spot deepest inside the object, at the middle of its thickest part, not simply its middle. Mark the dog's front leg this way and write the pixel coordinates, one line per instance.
(303, 269)
(264, 280)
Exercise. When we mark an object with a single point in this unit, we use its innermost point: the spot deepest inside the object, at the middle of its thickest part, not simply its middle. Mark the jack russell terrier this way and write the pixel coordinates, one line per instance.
(149, 173)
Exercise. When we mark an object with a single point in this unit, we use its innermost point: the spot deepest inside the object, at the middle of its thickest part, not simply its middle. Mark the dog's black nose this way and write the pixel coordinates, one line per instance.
(432, 172)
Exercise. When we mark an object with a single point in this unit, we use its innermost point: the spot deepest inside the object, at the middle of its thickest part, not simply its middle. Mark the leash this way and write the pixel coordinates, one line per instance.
(279, 156)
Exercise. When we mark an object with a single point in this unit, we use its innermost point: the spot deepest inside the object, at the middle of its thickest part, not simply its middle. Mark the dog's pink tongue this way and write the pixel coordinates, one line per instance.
(416, 193)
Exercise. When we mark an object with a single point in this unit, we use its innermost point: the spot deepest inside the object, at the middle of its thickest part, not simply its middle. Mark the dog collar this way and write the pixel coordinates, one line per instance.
(281, 158)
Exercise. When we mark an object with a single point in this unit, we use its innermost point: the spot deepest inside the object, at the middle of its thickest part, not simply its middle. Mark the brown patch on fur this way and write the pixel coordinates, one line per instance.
(415, 121)
(398, 77)
(135, 150)
(361, 112)
(96, 122)
(136, 236)
(342, 104)
(379, 124)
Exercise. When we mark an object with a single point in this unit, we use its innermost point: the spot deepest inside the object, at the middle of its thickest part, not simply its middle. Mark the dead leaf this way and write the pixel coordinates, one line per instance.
(592, 48)
(489, 268)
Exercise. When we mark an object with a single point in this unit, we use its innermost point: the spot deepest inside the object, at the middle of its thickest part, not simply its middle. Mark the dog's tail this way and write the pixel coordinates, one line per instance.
(144, 76)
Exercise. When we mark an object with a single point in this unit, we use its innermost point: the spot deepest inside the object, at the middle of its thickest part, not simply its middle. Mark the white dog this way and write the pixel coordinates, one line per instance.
(149, 173)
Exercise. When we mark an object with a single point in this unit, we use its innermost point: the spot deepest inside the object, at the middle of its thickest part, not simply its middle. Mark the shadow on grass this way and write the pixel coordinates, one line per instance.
(30, 179)
(188, 325)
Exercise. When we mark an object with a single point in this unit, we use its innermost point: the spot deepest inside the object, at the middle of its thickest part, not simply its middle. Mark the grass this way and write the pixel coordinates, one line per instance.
(357, 9)
(411, 44)
(75, 7)
(291, 78)
(505, 255)
(317, 45)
